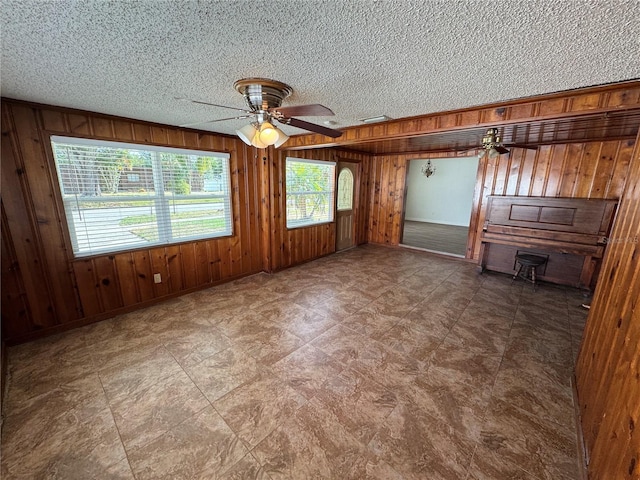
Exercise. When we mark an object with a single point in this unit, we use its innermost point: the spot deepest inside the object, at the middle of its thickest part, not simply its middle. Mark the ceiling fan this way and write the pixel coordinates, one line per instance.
(493, 146)
(264, 99)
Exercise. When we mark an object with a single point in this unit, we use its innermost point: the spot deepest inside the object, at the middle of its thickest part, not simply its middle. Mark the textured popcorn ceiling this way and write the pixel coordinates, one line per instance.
(360, 58)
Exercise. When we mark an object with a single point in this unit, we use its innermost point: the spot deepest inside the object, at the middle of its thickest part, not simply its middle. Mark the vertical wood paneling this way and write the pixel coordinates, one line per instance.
(188, 261)
(585, 170)
(127, 279)
(541, 171)
(174, 268)
(202, 263)
(608, 367)
(15, 305)
(525, 183)
(215, 256)
(107, 283)
(88, 288)
(556, 167)
(144, 275)
(59, 290)
(22, 233)
(158, 258)
(38, 178)
(294, 246)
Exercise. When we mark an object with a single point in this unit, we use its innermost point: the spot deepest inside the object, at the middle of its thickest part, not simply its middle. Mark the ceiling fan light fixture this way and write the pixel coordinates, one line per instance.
(264, 99)
(492, 144)
(256, 142)
(282, 139)
(268, 133)
(247, 133)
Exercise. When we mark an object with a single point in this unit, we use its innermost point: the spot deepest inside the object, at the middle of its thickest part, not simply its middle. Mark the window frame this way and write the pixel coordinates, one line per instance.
(331, 192)
(153, 197)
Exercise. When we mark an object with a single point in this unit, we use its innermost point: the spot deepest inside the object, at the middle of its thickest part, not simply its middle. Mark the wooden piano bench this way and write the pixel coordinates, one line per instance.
(527, 265)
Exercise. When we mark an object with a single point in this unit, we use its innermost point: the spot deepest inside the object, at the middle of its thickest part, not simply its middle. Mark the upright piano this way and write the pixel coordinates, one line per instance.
(571, 233)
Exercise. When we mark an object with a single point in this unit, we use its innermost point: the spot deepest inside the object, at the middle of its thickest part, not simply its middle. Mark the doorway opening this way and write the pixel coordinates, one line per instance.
(437, 209)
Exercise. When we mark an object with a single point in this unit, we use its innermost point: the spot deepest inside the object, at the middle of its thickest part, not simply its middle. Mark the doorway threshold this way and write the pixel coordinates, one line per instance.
(446, 254)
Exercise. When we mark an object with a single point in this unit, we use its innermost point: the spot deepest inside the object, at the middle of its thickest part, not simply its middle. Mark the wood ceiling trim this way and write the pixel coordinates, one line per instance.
(573, 104)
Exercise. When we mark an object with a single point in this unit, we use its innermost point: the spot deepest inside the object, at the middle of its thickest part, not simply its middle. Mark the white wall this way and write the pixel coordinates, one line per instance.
(446, 196)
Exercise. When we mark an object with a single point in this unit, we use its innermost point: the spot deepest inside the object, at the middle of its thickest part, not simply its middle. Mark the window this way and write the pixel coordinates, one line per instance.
(119, 196)
(310, 192)
(345, 189)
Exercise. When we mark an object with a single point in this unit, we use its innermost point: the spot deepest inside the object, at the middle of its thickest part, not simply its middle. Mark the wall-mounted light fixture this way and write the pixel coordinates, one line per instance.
(428, 169)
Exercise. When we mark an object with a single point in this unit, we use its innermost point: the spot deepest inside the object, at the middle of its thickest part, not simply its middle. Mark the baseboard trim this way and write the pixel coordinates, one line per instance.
(583, 468)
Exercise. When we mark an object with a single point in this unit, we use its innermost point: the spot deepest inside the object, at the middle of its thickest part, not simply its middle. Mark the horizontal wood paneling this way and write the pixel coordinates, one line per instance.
(575, 103)
(582, 170)
(608, 368)
(46, 289)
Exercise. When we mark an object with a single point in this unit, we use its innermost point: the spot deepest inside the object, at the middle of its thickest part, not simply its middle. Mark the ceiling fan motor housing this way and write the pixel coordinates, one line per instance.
(262, 94)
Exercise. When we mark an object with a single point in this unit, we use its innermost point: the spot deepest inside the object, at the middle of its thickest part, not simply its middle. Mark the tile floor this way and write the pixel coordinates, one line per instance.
(375, 363)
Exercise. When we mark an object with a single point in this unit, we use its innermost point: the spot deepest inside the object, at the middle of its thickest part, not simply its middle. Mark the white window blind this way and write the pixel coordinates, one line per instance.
(310, 189)
(120, 196)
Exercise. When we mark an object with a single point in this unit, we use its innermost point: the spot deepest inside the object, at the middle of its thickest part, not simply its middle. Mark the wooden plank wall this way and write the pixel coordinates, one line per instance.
(608, 367)
(43, 288)
(290, 247)
(577, 170)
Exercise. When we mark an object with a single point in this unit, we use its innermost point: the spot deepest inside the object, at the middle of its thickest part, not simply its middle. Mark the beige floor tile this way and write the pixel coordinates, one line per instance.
(382, 364)
(419, 446)
(312, 444)
(538, 392)
(221, 373)
(121, 381)
(458, 405)
(306, 369)
(405, 338)
(487, 465)
(48, 442)
(543, 448)
(247, 468)
(370, 322)
(44, 372)
(203, 447)
(472, 365)
(374, 363)
(256, 408)
(196, 344)
(150, 411)
(358, 403)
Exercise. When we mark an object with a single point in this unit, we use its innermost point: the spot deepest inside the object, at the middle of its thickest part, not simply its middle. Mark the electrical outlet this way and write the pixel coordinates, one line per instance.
(157, 278)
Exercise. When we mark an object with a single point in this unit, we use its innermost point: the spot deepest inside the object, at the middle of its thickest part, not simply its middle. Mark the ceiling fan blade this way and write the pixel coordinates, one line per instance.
(216, 120)
(501, 150)
(315, 110)
(212, 104)
(460, 149)
(312, 127)
(516, 145)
